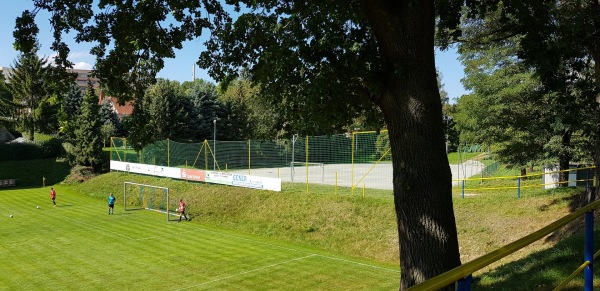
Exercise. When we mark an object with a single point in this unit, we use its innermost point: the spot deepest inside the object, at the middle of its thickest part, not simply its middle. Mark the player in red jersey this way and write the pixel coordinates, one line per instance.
(182, 210)
(53, 196)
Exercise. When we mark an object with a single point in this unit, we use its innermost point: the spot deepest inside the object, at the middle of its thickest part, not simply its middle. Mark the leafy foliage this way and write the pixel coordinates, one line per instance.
(329, 57)
(205, 107)
(525, 69)
(321, 64)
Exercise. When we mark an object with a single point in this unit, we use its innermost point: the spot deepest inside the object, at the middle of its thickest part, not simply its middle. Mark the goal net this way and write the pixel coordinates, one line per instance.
(140, 196)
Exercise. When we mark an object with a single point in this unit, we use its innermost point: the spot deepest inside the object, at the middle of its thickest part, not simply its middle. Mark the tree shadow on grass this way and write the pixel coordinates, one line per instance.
(35, 173)
(544, 270)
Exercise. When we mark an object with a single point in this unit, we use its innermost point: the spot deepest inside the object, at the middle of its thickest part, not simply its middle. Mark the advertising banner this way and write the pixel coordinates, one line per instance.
(192, 175)
(215, 177)
(246, 181)
(153, 170)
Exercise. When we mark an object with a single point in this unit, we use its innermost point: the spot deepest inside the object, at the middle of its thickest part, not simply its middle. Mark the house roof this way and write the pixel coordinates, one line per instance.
(120, 110)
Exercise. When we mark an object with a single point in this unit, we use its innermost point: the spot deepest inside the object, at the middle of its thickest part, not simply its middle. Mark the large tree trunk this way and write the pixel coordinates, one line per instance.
(411, 105)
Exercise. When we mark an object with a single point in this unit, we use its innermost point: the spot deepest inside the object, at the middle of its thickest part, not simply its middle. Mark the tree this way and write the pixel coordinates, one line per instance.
(559, 41)
(107, 130)
(250, 116)
(8, 108)
(27, 86)
(70, 108)
(87, 135)
(108, 115)
(206, 107)
(138, 127)
(353, 58)
(345, 56)
(448, 110)
(164, 105)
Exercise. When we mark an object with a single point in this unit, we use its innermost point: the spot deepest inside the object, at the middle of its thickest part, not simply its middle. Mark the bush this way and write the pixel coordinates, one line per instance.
(79, 174)
(50, 148)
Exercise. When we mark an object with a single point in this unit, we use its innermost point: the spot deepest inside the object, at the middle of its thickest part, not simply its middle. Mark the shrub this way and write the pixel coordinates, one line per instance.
(21, 151)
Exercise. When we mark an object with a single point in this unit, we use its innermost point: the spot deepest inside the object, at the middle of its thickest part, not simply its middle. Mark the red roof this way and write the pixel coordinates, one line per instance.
(120, 110)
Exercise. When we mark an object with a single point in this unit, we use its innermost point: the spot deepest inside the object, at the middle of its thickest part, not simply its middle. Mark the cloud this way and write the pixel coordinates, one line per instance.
(82, 66)
(80, 55)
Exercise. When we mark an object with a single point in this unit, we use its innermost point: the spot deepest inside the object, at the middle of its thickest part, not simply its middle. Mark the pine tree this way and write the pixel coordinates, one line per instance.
(87, 140)
(26, 83)
(71, 105)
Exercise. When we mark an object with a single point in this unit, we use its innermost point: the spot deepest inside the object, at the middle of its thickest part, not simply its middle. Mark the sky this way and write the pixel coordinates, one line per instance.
(181, 67)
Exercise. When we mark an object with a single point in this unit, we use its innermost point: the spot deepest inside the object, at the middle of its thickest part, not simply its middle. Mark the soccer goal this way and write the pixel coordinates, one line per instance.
(140, 196)
(305, 169)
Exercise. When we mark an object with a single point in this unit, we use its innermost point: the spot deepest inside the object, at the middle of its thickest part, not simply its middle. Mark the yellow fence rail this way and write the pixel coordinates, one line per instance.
(467, 269)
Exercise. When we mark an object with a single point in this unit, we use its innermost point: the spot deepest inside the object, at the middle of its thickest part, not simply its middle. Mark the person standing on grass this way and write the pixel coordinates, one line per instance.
(53, 196)
(111, 204)
(182, 210)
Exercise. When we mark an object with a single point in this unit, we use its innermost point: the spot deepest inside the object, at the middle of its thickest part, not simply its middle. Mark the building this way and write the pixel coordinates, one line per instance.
(120, 110)
(82, 81)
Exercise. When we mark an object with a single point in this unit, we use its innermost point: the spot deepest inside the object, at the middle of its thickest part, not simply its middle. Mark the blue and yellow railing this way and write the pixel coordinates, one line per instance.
(462, 274)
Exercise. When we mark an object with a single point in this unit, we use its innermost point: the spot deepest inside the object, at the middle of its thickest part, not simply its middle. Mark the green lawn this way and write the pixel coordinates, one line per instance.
(78, 246)
(264, 240)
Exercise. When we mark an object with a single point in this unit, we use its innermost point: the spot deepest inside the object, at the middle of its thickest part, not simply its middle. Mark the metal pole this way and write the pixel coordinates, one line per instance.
(519, 187)
(214, 144)
(588, 252)
(294, 138)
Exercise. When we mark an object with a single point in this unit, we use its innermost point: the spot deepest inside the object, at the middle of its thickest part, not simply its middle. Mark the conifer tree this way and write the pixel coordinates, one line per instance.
(87, 139)
(70, 107)
(26, 83)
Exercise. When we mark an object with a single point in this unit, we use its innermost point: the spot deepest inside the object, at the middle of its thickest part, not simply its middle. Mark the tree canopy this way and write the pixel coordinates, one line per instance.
(322, 63)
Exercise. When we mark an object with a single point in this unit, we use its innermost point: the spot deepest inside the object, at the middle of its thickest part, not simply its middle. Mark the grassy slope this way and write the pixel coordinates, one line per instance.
(365, 226)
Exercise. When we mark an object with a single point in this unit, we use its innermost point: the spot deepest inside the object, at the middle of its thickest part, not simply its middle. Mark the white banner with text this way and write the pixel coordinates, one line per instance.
(215, 177)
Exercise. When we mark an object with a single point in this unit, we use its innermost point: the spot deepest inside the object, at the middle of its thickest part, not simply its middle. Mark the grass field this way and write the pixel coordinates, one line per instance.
(244, 239)
(78, 246)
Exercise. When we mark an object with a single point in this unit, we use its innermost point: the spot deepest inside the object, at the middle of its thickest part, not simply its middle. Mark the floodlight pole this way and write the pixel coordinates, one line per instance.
(214, 144)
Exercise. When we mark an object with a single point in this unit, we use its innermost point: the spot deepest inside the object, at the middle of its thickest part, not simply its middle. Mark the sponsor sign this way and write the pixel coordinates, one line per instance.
(192, 175)
(153, 170)
(246, 181)
(215, 177)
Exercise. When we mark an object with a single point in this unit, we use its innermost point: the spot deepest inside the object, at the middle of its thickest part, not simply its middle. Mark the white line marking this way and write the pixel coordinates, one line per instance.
(304, 252)
(247, 272)
(165, 235)
(362, 264)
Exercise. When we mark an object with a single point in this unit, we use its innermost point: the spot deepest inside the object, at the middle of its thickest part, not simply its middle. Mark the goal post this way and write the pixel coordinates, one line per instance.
(141, 196)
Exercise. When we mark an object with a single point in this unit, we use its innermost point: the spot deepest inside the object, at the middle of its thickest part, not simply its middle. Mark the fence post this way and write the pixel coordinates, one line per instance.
(464, 284)
(463, 189)
(519, 187)
(336, 182)
(587, 178)
(588, 252)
